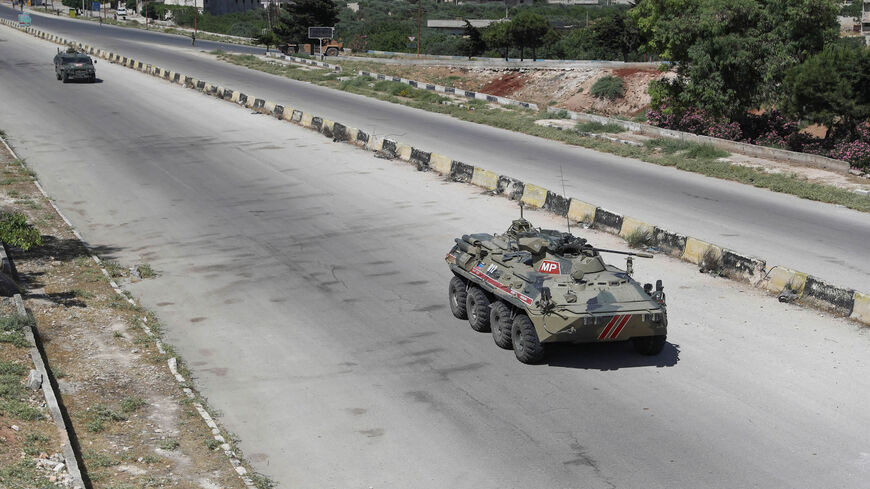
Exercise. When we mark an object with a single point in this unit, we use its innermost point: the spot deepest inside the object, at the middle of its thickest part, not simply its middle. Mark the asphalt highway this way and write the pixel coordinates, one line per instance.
(303, 281)
(824, 240)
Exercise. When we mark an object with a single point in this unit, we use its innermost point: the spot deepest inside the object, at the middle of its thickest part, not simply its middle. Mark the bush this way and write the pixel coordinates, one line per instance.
(15, 231)
(609, 87)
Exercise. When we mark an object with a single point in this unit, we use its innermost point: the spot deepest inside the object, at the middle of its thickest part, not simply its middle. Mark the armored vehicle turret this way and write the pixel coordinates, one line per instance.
(531, 287)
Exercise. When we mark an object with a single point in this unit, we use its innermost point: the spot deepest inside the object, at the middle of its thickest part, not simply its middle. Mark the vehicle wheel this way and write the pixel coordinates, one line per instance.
(65, 78)
(527, 347)
(331, 51)
(93, 79)
(457, 296)
(501, 323)
(649, 345)
(57, 75)
(477, 305)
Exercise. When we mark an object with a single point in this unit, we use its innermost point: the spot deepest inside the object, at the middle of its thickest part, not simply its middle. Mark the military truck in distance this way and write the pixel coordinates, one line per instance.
(72, 65)
(531, 287)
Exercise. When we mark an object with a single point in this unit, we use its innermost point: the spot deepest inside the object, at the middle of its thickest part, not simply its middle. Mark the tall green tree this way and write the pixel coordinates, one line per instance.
(831, 88)
(731, 55)
(498, 37)
(527, 30)
(473, 44)
(297, 16)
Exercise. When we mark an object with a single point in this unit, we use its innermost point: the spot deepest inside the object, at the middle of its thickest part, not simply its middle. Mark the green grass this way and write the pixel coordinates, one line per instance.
(34, 443)
(145, 271)
(639, 238)
(609, 87)
(131, 404)
(23, 475)
(97, 459)
(663, 151)
(20, 410)
(169, 444)
(598, 127)
(100, 416)
(13, 329)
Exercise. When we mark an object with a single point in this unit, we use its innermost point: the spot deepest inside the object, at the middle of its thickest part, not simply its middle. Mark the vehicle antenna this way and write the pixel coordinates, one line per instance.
(562, 178)
(521, 209)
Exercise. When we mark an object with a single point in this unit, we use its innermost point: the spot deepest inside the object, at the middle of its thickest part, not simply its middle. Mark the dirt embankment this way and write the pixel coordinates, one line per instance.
(567, 88)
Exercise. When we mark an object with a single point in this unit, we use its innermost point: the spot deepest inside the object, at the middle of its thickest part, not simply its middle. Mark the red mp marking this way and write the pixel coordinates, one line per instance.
(616, 324)
(548, 266)
(504, 288)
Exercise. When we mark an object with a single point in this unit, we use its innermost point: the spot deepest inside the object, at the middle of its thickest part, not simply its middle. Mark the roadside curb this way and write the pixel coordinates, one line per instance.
(789, 284)
(455, 91)
(48, 390)
(304, 61)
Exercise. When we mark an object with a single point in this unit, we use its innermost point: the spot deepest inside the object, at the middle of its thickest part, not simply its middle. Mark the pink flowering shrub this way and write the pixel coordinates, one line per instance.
(855, 152)
(771, 128)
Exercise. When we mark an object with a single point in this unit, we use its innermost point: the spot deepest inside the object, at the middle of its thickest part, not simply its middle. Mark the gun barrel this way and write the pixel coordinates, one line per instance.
(632, 253)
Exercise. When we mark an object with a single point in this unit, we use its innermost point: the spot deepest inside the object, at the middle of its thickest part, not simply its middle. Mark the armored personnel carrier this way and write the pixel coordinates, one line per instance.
(532, 287)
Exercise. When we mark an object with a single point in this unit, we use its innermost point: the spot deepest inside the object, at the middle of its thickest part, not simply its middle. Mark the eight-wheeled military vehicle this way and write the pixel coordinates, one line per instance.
(532, 286)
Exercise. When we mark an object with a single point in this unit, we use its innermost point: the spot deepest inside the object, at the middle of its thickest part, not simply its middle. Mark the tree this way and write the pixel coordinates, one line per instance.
(473, 45)
(527, 30)
(297, 16)
(267, 38)
(497, 36)
(831, 88)
(730, 55)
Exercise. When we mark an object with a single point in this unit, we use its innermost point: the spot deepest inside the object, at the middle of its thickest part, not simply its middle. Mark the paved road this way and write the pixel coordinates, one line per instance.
(824, 240)
(303, 282)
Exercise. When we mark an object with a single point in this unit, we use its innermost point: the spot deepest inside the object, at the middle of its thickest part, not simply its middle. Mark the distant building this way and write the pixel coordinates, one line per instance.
(865, 21)
(218, 7)
(458, 26)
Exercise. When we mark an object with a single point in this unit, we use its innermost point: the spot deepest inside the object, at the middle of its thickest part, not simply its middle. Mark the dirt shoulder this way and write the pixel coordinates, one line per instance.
(135, 424)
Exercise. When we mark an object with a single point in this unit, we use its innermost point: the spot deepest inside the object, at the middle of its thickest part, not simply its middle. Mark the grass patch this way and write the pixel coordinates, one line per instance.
(609, 87)
(97, 459)
(131, 404)
(12, 330)
(145, 271)
(82, 293)
(169, 444)
(101, 416)
(34, 443)
(114, 268)
(23, 475)
(598, 127)
(20, 410)
(560, 114)
(212, 444)
(639, 238)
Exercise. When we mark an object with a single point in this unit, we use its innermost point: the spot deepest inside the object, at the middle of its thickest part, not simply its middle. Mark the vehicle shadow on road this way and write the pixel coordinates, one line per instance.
(608, 356)
(84, 82)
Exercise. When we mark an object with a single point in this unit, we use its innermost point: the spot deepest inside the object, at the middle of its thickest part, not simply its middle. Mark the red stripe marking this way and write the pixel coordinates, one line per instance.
(621, 325)
(500, 286)
(610, 324)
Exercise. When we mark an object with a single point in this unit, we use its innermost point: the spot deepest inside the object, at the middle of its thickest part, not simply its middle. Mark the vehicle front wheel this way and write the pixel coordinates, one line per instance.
(457, 297)
(477, 306)
(527, 347)
(501, 323)
(57, 75)
(331, 51)
(649, 345)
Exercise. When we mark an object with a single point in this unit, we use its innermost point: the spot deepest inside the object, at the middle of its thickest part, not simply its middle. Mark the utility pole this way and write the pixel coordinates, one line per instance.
(419, 20)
